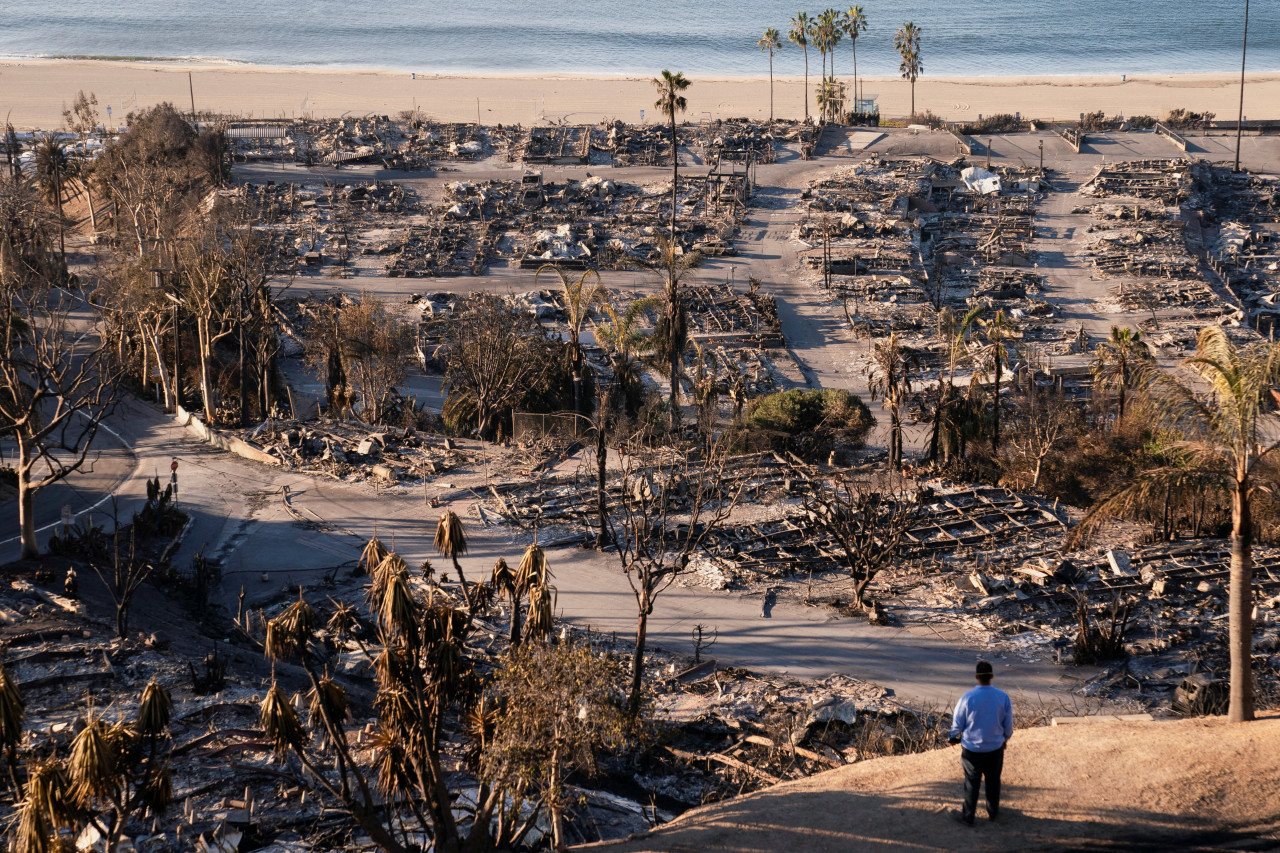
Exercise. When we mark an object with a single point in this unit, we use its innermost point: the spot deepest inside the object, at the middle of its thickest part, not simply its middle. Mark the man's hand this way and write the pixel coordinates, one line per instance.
(953, 740)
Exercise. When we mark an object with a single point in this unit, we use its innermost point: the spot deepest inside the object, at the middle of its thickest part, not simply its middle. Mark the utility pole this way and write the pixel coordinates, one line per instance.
(1244, 48)
(177, 360)
(244, 391)
(192, 90)
(1041, 156)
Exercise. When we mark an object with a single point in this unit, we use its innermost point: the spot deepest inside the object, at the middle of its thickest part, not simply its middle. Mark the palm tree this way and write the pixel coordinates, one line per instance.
(855, 24)
(1116, 361)
(451, 542)
(671, 336)
(51, 168)
(670, 102)
(829, 22)
(1223, 449)
(580, 297)
(890, 380)
(624, 342)
(799, 34)
(907, 42)
(951, 418)
(830, 99)
(533, 578)
(996, 353)
(772, 43)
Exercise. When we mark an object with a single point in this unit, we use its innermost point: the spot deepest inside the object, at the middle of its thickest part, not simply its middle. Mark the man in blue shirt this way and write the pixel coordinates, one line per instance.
(982, 724)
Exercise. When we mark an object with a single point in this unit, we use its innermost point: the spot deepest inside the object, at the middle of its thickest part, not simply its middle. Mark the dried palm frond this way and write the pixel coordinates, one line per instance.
(482, 595)
(94, 767)
(451, 540)
(344, 622)
(392, 566)
(300, 617)
(44, 808)
(541, 615)
(288, 633)
(397, 611)
(532, 571)
(155, 710)
(389, 760)
(280, 721)
(503, 577)
(481, 723)
(326, 700)
(12, 710)
(373, 554)
(156, 791)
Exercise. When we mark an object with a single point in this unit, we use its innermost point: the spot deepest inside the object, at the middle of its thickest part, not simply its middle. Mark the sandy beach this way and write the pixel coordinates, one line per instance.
(32, 93)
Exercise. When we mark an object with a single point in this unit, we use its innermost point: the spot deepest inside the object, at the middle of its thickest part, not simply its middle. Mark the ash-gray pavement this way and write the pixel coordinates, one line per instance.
(241, 515)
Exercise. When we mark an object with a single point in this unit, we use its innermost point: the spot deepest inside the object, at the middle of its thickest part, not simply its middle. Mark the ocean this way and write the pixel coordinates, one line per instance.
(959, 37)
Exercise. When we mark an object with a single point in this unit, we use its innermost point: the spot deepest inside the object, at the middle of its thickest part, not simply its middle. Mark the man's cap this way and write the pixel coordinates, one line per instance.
(984, 668)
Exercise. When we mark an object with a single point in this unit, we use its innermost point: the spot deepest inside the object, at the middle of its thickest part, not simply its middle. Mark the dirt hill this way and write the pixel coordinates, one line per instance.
(1195, 784)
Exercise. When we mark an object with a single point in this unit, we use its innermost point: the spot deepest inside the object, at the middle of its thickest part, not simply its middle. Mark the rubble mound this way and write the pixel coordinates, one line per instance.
(1065, 787)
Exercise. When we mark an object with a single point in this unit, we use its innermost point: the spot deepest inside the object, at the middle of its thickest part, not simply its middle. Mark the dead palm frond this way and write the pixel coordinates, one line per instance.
(373, 554)
(389, 761)
(398, 612)
(155, 710)
(344, 621)
(327, 701)
(12, 711)
(94, 767)
(391, 566)
(503, 578)
(532, 570)
(451, 540)
(44, 809)
(280, 721)
(541, 612)
(155, 792)
(288, 633)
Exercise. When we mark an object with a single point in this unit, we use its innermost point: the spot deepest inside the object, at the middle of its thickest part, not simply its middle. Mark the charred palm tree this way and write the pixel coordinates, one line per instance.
(451, 542)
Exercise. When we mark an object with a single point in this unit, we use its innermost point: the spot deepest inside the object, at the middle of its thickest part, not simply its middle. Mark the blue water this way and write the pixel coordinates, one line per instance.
(960, 37)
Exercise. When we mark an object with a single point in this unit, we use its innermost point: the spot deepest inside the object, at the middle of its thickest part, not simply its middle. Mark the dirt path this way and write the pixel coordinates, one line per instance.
(1144, 786)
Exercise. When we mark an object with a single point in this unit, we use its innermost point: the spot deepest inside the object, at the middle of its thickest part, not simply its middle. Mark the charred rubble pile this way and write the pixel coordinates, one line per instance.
(596, 223)
(1153, 618)
(1143, 238)
(1241, 221)
(307, 227)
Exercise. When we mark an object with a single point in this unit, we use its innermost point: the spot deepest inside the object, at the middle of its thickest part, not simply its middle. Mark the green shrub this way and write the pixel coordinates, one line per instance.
(811, 421)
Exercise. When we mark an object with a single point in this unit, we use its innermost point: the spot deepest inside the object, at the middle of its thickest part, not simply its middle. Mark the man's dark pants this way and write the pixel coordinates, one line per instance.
(976, 766)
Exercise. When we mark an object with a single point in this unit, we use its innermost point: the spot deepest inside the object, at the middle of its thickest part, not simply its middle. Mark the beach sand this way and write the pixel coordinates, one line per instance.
(33, 92)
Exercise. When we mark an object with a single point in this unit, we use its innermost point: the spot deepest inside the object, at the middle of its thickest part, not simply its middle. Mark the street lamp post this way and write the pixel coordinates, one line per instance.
(1244, 48)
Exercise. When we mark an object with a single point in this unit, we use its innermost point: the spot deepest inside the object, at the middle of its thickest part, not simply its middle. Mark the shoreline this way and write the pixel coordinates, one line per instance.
(34, 91)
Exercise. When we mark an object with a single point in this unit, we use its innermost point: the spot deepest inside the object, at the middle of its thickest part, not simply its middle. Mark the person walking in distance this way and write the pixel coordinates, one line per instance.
(982, 725)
